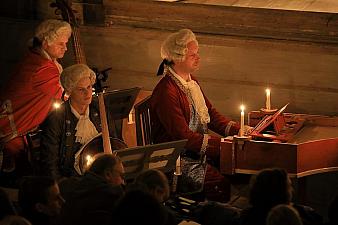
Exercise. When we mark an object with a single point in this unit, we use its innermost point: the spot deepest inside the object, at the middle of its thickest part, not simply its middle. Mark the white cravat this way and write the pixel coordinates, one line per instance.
(85, 129)
(196, 95)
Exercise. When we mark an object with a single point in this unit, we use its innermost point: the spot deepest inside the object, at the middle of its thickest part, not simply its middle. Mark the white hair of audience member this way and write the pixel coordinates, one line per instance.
(50, 30)
(283, 214)
(174, 48)
(71, 75)
(14, 220)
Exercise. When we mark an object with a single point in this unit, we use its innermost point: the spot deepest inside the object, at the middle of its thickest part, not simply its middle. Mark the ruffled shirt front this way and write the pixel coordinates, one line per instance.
(196, 95)
(85, 129)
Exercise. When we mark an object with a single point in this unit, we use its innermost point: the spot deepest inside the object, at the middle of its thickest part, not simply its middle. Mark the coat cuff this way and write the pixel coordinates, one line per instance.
(213, 148)
(228, 127)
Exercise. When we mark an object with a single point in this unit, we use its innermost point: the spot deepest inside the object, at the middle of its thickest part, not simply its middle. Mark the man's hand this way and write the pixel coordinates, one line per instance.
(247, 130)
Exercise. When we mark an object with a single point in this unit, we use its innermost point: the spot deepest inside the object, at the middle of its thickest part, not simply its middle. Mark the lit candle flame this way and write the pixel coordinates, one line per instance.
(89, 160)
(56, 105)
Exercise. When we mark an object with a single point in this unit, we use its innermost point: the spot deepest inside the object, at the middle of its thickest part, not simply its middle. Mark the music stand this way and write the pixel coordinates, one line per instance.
(120, 102)
(161, 156)
(270, 123)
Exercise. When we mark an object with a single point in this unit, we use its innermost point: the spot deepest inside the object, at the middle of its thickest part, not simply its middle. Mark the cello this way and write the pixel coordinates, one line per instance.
(102, 142)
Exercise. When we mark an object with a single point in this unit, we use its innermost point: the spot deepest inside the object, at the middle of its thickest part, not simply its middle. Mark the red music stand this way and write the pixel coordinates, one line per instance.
(271, 126)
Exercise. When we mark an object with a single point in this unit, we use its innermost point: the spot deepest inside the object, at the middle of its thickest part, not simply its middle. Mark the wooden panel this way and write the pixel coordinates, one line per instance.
(299, 160)
(129, 129)
(301, 5)
(318, 157)
(231, 71)
(225, 20)
(255, 156)
(258, 155)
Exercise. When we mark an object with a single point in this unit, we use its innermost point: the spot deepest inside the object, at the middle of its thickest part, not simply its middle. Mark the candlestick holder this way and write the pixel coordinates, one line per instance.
(240, 140)
(268, 111)
(176, 183)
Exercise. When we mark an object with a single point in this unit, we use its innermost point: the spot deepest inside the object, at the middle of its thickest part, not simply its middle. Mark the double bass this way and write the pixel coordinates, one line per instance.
(102, 142)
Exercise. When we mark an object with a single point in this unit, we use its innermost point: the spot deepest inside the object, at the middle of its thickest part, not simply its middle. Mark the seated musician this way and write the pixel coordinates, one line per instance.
(180, 110)
(27, 97)
(72, 125)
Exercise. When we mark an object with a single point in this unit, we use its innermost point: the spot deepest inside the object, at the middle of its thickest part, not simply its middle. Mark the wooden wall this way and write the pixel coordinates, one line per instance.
(243, 51)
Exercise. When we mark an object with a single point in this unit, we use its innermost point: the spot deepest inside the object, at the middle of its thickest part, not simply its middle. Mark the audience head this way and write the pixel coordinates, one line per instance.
(333, 211)
(40, 195)
(283, 214)
(175, 47)
(52, 36)
(14, 220)
(155, 182)
(141, 208)
(108, 166)
(6, 207)
(77, 74)
(270, 187)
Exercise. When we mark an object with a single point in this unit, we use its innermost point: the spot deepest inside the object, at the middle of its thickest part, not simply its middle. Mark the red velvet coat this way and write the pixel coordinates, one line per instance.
(31, 91)
(170, 115)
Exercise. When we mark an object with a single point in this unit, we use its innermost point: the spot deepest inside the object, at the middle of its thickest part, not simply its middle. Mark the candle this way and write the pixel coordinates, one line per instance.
(268, 101)
(89, 160)
(56, 105)
(241, 131)
(178, 166)
(130, 117)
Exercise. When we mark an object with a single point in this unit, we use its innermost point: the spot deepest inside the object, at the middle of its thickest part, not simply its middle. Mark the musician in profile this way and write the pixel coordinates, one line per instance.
(72, 125)
(28, 96)
(180, 110)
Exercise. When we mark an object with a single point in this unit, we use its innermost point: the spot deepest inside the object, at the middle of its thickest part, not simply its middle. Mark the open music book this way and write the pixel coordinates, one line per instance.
(271, 125)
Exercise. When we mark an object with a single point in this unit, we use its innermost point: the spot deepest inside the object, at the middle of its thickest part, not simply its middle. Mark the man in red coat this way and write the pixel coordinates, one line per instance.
(180, 110)
(32, 89)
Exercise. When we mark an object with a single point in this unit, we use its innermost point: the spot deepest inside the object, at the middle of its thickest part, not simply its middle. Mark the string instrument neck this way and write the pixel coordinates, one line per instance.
(104, 123)
(78, 51)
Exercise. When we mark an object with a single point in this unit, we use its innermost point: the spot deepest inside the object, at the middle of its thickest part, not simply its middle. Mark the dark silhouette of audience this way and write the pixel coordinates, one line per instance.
(156, 183)
(283, 215)
(6, 206)
(216, 213)
(333, 212)
(92, 198)
(98, 197)
(271, 187)
(139, 207)
(40, 200)
(14, 220)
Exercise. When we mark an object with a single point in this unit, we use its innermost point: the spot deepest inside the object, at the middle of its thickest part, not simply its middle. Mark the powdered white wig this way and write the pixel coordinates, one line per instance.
(174, 48)
(73, 74)
(50, 30)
